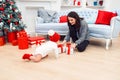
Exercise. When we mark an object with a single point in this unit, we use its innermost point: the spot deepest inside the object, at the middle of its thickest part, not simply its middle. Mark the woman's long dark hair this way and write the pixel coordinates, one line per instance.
(73, 14)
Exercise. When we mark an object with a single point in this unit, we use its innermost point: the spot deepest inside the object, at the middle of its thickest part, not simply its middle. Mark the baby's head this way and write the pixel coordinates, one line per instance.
(51, 32)
(53, 36)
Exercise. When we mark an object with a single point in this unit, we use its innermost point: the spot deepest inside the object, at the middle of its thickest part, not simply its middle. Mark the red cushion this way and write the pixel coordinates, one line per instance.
(104, 17)
(63, 19)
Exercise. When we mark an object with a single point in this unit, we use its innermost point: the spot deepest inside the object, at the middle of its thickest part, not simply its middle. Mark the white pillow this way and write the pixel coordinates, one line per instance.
(40, 20)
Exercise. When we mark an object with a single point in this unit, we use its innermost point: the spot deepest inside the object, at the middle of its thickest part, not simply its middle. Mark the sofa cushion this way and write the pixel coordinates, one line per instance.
(104, 17)
(47, 15)
(91, 20)
(40, 20)
(43, 28)
(63, 19)
(100, 30)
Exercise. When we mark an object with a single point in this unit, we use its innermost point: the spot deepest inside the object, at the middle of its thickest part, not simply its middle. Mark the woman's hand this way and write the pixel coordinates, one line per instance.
(64, 42)
(73, 45)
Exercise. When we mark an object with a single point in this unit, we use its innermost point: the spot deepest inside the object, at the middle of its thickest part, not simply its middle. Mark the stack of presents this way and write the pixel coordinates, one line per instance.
(21, 39)
(65, 48)
(24, 41)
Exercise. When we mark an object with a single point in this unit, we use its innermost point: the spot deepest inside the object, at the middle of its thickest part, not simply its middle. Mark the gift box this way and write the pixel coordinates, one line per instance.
(11, 36)
(15, 42)
(22, 33)
(33, 41)
(23, 42)
(22, 39)
(69, 49)
(2, 41)
(61, 48)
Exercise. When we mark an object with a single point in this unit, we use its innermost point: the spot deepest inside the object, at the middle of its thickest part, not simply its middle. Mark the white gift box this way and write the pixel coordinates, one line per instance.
(69, 50)
(61, 49)
(35, 41)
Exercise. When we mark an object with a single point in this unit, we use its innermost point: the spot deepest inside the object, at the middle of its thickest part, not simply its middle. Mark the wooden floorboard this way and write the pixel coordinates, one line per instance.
(96, 63)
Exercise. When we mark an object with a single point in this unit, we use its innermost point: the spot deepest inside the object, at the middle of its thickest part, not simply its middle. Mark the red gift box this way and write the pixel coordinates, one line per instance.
(36, 40)
(2, 41)
(22, 33)
(61, 48)
(69, 49)
(23, 42)
(15, 42)
(11, 36)
(22, 39)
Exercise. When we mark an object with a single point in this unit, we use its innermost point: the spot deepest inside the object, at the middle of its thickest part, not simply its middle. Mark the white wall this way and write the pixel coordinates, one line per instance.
(29, 9)
(112, 4)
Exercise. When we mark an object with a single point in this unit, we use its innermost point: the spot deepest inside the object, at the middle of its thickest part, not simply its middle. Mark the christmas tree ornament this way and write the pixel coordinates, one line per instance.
(16, 23)
(16, 10)
(11, 2)
(8, 16)
(1, 9)
(10, 7)
(13, 28)
(10, 26)
(19, 15)
(3, 5)
(11, 16)
(8, 22)
(1, 24)
(0, 20)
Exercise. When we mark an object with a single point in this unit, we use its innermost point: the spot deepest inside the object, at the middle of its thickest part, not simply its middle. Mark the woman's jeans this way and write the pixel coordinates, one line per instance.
(81, 47)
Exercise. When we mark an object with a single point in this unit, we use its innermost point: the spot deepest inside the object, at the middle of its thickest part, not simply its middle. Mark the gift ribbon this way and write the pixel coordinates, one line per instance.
(61, 47)
(68, 52)
(37, 42)
(68, 45)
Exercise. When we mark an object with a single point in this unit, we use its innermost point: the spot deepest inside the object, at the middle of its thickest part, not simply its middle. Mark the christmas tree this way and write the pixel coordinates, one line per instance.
(10, 16)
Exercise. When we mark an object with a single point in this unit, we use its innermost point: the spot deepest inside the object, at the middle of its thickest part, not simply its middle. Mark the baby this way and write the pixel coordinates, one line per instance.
(43, 50)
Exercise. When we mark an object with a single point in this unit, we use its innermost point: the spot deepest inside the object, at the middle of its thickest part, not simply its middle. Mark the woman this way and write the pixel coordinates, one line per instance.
(78, 32)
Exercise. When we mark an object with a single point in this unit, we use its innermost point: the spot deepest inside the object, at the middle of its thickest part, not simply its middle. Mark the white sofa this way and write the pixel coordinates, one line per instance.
(107, 32)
